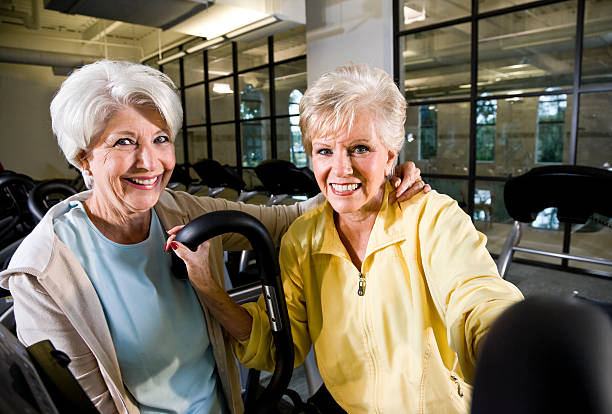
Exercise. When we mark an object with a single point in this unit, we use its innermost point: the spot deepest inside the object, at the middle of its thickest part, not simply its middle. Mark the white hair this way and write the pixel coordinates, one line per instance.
(331, 104)
(90, 96)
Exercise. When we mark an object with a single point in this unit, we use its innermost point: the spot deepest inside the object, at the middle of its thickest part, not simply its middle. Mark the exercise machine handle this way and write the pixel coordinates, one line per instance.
(232, 221)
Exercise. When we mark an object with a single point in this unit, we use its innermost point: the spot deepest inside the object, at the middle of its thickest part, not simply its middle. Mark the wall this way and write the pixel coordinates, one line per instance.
(339, 31)
(27, 144)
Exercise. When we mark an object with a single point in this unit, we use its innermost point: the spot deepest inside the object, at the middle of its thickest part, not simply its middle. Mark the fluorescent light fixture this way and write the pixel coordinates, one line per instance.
(514, 92)
(537, 43)
(204, 44)
(411, 15)
(465, 86)
(416, 62)
(252, 26)
(171, 57)
(222, 88)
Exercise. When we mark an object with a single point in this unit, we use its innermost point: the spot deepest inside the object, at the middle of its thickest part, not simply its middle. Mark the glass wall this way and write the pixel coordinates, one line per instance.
(241, 100)
(492, 92)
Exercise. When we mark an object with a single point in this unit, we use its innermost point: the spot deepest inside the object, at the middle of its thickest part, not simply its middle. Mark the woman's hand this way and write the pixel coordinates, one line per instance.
(407, 182)
(196, 262)
(236, 320)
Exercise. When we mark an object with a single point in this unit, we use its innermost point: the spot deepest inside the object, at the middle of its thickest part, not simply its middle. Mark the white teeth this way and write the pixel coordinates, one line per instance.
(344, 187)
(144, 182)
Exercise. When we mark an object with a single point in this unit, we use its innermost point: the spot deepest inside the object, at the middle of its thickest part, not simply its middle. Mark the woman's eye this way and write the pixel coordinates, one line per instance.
(324, 151)
(161, 139)
(124, 141)
(360, 149)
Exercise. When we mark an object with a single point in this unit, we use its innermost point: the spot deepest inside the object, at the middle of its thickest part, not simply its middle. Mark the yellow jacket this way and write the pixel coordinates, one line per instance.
(432, 292)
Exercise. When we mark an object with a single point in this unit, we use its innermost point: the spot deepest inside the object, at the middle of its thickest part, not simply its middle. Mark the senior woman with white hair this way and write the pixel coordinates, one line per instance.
(395, 297)
(93, 278)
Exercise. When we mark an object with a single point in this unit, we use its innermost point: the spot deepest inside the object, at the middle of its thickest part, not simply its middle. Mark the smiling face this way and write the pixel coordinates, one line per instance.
(131, 162)
(351, 168)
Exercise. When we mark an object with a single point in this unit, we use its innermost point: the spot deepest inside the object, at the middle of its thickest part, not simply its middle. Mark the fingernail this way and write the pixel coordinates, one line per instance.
(165, 247)
(174, 245)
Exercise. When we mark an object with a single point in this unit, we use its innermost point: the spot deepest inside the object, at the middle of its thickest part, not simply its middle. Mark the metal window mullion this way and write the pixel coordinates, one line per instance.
(272, 91)
(184, 104)
(209, 145)
(237, 108)
(473, 114)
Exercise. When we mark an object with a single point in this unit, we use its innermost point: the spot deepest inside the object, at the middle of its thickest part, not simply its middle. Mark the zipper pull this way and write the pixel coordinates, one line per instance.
(362, 285)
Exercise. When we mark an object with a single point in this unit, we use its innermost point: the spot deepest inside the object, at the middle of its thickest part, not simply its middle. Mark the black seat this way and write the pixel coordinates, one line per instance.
(14, 215)
(46, 194)
(577, 192)
(217, 177)
(283, 177)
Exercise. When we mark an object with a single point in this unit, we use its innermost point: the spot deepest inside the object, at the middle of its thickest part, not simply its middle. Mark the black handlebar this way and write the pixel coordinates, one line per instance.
(231, 221)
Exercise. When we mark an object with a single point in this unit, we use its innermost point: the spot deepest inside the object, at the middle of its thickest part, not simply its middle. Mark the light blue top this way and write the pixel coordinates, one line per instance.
(155, 320)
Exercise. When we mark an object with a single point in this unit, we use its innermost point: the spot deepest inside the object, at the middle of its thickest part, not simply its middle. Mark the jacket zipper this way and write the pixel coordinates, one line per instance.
(362, 285)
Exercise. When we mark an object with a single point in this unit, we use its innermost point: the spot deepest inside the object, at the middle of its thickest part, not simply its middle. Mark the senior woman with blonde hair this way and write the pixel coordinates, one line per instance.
(93, 278)
(395, 297)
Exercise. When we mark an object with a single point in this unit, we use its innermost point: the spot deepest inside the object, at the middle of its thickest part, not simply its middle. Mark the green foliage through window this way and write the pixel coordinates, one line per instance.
(428, 132)
(551, 128)
(486, 118)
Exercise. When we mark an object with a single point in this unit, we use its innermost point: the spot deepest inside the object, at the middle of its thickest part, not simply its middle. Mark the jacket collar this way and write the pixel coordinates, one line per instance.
(388, 229)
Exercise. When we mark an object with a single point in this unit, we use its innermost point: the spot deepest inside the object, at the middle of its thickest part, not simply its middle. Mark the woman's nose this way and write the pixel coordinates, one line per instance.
(342, 164)
(145, 157)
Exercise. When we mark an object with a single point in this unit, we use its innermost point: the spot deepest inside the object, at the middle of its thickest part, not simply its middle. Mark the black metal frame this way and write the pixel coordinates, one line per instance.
(576, 91)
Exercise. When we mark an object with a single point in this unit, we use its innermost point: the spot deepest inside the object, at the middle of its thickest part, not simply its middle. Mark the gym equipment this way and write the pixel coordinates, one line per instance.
(46, 194)
(218, 177)
(282, 179)
(555, 186)
(227, 221)
(15, 218)
(546, 355)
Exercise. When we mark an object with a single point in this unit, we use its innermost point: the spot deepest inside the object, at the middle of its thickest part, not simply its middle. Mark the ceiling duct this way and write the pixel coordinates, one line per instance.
(202, 18)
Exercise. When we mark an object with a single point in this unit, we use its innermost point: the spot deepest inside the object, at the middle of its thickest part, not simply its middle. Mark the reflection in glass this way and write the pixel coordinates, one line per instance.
(193, 68)
(221, 100)
(172, 69)
(517, 140)
(220, 61)
(195, 112)
(254, 94)
(437, 62)
(596, 61)
(255, 142)
(417, 13)
(251, 54)
(224, 143)
(528, 50)
(456, 189)
(486, 117)
(593, 238)
(449, 123)
(288, 78)
(196, 139)
(595, 130)
(551, 128)
(290, 43)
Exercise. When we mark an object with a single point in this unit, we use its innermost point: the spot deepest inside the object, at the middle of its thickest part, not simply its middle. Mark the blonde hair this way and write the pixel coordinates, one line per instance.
(90, 96)
(331, 104)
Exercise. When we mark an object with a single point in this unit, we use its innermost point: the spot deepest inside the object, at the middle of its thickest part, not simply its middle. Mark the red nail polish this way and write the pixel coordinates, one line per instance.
(174, 245)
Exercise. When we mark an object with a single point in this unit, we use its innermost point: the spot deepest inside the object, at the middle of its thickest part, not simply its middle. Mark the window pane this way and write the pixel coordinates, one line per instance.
(224, 143)
(220, 61)
(488, 5)
(450, 154)
(486, 119)
(172, 69)
(196, 138)
(289, 141)
(593, 238)
(221, 100)
(527, 51)
(519, 132)
(437, 63)
(193, 68)
(290, 43)
(595, 130)
(417, 13)
(251, 54)
(254, 94)
(255, 142)
(289, 78)
(178, 148)
(195, 113)
(596, 61)
(456, 189)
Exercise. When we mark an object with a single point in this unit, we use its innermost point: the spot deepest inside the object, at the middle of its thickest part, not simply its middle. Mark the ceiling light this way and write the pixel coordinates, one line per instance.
(171, 57)
(222, 88)
(204, 44)
(411, 15)
(253, 26)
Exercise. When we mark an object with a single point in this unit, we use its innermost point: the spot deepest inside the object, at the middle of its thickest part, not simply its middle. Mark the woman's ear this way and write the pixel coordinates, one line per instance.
(83, 160)
(391, 162)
